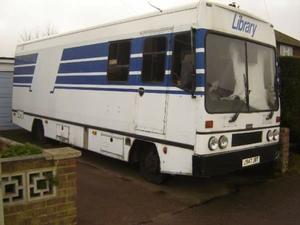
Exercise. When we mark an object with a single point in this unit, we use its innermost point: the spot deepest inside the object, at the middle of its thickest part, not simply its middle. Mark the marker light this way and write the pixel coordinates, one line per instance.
(223, 142)
(213, 143)
(278, 119)
(275, 135)
(165, 150)
(270, 135)
(209, 124)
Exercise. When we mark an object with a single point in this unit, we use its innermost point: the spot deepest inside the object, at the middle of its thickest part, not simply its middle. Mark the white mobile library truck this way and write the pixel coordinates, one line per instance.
(192, 90)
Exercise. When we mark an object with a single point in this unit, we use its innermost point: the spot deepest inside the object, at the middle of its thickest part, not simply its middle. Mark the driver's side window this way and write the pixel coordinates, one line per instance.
(183, 61)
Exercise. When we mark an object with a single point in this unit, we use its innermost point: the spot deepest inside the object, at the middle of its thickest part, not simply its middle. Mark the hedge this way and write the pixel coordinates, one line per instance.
(290, 95)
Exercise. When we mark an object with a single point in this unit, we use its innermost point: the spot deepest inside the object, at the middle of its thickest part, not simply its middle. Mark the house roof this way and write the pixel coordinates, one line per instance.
(285, 39)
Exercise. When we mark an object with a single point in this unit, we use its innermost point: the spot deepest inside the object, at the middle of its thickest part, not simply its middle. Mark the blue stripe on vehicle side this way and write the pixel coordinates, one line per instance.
(200, 80)
(84, 52)
(133, 80)
(28, 70)
(136, 64)
(26, 59)
(168, 62)
(200, 60)
(89, 66)
(170, 42)
(200, 38)
(179, 92)
(22, 80)
(200, 56)
(137, 45)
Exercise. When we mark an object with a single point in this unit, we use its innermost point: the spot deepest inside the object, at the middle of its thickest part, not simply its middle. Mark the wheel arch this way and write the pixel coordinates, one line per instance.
(37, 122)
(138, 148)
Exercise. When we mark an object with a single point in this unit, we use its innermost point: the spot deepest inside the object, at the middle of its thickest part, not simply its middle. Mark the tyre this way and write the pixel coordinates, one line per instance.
(150, 167)
(38, 132)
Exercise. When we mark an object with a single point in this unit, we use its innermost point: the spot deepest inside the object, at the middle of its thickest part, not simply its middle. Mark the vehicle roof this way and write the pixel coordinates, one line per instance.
(148, 15)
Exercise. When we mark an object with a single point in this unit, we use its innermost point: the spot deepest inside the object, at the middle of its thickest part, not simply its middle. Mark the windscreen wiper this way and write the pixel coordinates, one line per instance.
(234, 118)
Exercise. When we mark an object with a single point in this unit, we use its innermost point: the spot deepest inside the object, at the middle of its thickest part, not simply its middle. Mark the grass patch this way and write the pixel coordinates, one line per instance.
(20, 150)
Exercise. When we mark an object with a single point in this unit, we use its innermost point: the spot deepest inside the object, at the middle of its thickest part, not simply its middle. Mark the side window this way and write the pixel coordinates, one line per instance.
(154, 59)
(118, 61)
(183, 62)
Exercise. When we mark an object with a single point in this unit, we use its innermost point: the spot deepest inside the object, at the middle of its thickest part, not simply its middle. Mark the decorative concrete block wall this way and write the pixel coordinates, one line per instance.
(40, 189)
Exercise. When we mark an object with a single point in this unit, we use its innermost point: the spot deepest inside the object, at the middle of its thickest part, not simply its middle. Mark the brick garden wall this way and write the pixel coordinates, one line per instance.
(40, 205)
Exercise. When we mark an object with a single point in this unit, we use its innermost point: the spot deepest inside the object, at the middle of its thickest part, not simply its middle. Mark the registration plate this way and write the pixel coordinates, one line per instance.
(251, 161)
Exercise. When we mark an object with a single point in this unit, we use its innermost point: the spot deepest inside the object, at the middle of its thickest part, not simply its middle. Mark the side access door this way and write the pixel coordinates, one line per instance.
(151, 99)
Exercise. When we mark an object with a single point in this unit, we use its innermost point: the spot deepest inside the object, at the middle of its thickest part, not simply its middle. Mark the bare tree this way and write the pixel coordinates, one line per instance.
(33, 35)
(50, 30)
(25, 36)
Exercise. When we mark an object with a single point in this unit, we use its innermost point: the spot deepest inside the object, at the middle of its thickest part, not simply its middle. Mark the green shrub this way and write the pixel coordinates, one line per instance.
(20, 150)
(290, 94)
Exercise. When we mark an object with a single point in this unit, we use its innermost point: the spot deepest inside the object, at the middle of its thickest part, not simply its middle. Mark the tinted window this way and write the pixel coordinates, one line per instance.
(118, 61)
(154, 59)
(183, 61)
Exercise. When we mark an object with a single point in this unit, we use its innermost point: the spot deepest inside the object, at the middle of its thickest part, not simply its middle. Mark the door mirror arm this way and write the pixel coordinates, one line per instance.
(193, 91)
(193, 35)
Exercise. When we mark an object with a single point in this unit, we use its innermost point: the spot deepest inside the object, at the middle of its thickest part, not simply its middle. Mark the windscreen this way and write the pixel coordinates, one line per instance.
(240, 76)
(261, 76)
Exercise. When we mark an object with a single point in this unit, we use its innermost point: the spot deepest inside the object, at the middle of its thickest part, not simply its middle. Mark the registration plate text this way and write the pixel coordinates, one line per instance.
(250, 161)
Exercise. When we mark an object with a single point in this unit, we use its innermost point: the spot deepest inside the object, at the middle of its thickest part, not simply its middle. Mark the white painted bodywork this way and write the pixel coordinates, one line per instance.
(172, 117)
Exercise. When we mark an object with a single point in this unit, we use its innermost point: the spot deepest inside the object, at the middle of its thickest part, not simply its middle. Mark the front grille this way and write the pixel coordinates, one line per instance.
(246, 138)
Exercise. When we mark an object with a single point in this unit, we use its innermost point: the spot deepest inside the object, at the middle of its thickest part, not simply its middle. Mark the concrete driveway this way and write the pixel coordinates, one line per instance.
(110, 192)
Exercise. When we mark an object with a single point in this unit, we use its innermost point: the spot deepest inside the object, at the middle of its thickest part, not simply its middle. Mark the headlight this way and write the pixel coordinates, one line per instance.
(270, 135)
(213, 143)
(223, 142)
(275, 135)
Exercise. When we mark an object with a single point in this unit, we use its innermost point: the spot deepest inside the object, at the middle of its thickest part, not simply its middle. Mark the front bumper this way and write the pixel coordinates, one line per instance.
(211, 165)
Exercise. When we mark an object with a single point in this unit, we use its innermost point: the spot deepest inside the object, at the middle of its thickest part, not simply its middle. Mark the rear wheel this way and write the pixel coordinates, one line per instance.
(150, 167)
(38, 132)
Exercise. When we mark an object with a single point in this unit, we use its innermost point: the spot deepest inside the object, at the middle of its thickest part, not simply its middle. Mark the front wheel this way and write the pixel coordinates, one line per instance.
(150, 167)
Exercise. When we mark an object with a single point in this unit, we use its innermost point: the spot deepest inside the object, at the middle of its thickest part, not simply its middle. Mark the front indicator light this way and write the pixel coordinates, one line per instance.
(223, 142)
(275, 135)
(213, 143)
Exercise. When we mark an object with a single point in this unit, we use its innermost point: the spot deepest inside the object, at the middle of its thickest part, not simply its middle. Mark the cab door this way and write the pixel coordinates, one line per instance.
(151, 98)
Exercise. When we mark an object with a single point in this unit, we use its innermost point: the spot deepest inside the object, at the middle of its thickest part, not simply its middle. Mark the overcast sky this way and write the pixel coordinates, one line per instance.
(17, 16)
